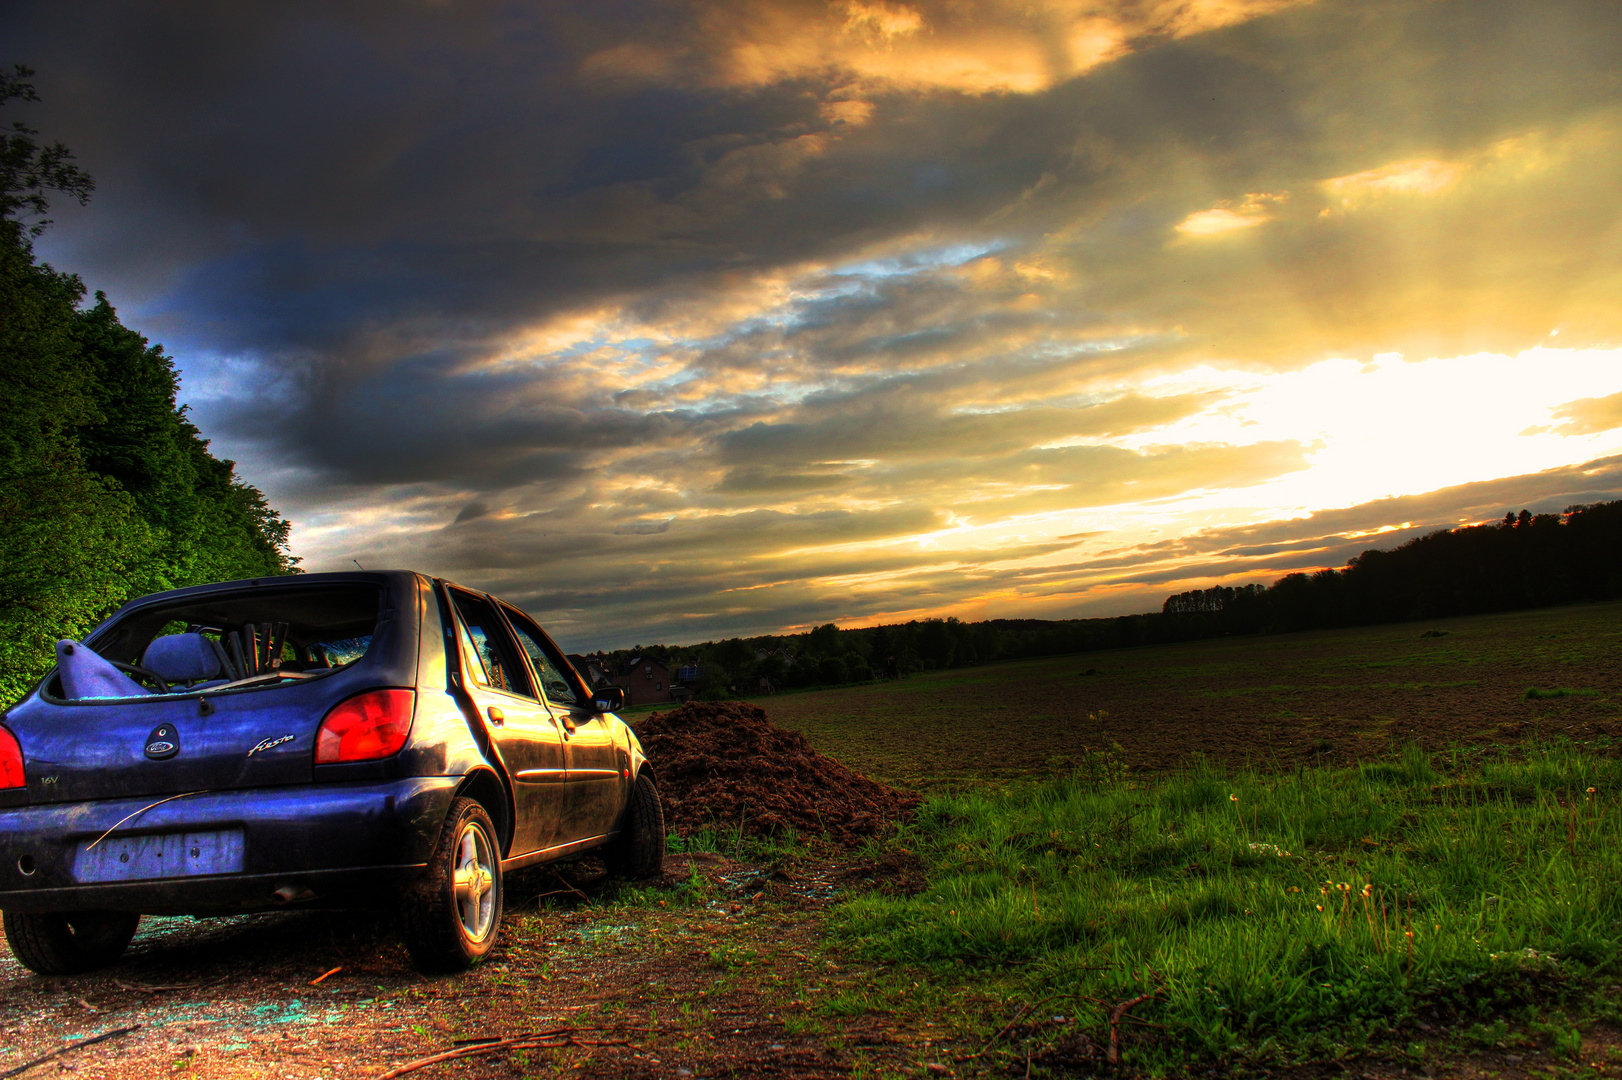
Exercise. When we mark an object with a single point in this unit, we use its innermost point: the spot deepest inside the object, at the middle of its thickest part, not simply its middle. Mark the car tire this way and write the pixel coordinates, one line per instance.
(452, 916)
(639, 850)
(69, 942)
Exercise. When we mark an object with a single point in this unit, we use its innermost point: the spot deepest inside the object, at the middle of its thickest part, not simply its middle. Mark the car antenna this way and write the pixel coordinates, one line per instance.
(358, 566)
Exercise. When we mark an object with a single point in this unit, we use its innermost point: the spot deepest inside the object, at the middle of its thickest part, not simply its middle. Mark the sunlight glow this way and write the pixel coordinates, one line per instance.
(1425, 177)
(1254, 210)
(1394, 427)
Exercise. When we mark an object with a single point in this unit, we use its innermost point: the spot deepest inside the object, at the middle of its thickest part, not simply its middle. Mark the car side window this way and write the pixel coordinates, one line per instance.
(548, 666)
(485, 641)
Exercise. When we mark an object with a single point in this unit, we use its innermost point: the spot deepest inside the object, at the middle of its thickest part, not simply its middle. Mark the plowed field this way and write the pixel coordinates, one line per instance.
(1275, 701)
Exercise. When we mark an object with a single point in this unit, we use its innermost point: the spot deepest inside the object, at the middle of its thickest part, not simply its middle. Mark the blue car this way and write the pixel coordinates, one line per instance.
(319, 740)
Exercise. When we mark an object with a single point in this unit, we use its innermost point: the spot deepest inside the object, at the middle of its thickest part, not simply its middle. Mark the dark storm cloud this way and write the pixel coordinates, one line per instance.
(666, 310)
(326, 170)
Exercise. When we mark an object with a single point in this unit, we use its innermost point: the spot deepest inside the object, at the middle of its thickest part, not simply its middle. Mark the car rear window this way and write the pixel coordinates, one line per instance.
(260, 636)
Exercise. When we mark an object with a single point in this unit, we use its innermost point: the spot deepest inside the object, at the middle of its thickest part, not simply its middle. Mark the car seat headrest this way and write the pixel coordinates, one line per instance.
(183, 658)
(87, 675)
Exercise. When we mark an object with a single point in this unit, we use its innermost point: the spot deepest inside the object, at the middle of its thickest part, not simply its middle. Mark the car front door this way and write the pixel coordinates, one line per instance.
(523, 728)
(599, 768)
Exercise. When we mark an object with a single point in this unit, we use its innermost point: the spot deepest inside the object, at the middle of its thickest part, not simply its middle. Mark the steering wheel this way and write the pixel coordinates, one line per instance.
(141, 672)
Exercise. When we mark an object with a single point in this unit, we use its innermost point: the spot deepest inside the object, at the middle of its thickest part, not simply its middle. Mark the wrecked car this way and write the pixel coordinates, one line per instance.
(316, 740)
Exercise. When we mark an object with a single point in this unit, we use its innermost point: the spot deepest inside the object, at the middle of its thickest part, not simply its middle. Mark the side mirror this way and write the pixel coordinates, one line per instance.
(608, 699)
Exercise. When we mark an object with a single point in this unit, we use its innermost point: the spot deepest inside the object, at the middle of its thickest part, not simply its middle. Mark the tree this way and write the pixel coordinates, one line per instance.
(804, 671)
(714, 682)
(107, 490)
(734, 654)
(937, 642)
(823, 641)
(774, 668)
(27, 169)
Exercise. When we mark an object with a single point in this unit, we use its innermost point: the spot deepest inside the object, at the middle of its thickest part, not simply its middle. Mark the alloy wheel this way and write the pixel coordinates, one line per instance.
(475, 882)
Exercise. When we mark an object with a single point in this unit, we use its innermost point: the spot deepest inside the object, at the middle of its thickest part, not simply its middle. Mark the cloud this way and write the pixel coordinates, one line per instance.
(982, 47)
(643, 528)
(1254, 210)
(1426, 177)
(1588, 416)
(683, 318)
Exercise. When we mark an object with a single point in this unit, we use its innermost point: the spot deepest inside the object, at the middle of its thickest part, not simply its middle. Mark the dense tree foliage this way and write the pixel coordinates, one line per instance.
(107, 490)
(1524, 561)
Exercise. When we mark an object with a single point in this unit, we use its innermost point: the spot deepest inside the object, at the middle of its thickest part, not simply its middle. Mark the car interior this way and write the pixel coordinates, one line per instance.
(226, 641)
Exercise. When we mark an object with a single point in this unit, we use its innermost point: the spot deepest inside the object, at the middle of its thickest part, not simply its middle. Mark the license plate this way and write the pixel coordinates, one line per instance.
(165, 855)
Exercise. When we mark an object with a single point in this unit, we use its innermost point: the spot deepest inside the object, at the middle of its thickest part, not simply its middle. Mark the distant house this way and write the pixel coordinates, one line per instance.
(686, 683)
(594, 671)
(645, 681)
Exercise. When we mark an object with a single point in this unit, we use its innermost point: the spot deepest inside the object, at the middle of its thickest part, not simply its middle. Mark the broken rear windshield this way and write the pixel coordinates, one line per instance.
(222, 641)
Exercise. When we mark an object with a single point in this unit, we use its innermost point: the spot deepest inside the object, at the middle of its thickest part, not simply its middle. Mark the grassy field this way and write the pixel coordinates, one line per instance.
(1400, 843)
(1330, 697)
(1268, 919)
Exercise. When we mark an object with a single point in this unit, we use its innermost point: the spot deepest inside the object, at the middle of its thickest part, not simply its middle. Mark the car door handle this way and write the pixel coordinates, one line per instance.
(568, 724)
(497, 717)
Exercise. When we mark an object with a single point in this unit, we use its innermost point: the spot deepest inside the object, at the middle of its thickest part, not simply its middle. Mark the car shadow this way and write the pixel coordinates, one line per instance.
(283, 945)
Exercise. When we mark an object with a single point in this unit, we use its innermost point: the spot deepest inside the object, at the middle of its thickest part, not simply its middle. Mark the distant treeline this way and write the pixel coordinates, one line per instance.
(107, 490)
(1524, 561)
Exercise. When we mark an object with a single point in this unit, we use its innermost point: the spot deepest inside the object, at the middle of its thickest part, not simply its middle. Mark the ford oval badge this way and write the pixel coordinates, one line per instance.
(164, 742)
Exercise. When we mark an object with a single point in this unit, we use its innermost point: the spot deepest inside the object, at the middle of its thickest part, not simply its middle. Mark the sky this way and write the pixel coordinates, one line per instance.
(675, 321)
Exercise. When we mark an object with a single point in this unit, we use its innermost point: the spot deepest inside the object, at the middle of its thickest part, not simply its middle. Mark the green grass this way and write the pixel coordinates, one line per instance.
(1537, 694)
(1271, 914)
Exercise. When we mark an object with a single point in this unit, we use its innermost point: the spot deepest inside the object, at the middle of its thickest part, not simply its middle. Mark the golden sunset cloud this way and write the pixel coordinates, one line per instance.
(718, 317)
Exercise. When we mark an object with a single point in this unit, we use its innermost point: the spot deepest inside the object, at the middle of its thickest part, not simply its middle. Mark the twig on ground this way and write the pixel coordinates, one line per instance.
(1006, 1028)
(325, 974)
(538, 1041)
(482, 1040)
(1113, 1056)
(59, 1051)
(567, 885)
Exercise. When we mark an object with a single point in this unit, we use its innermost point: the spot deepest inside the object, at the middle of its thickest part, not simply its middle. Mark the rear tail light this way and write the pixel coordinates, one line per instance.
(366, 727)
(11, 761)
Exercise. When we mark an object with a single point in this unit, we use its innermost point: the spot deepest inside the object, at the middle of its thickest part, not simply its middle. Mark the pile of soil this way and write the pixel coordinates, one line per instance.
(723, 764)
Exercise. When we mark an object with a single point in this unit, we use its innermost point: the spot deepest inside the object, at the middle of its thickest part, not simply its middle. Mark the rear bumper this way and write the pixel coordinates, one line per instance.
(327, 843)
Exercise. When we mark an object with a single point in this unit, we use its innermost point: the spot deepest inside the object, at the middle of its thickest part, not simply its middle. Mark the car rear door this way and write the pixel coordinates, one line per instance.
(599, 768)
(167, 745)
(529, 739)
(80, 749)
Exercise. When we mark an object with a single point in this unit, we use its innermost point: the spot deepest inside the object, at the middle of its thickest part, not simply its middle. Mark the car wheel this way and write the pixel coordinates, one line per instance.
(68, 942)
(452, 916)
(639, 850)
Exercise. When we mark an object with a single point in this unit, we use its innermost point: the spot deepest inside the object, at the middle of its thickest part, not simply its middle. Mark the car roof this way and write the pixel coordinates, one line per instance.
(350, 577)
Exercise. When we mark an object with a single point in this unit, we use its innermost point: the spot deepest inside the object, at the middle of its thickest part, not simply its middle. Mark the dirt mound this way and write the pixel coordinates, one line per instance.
(723, 764)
